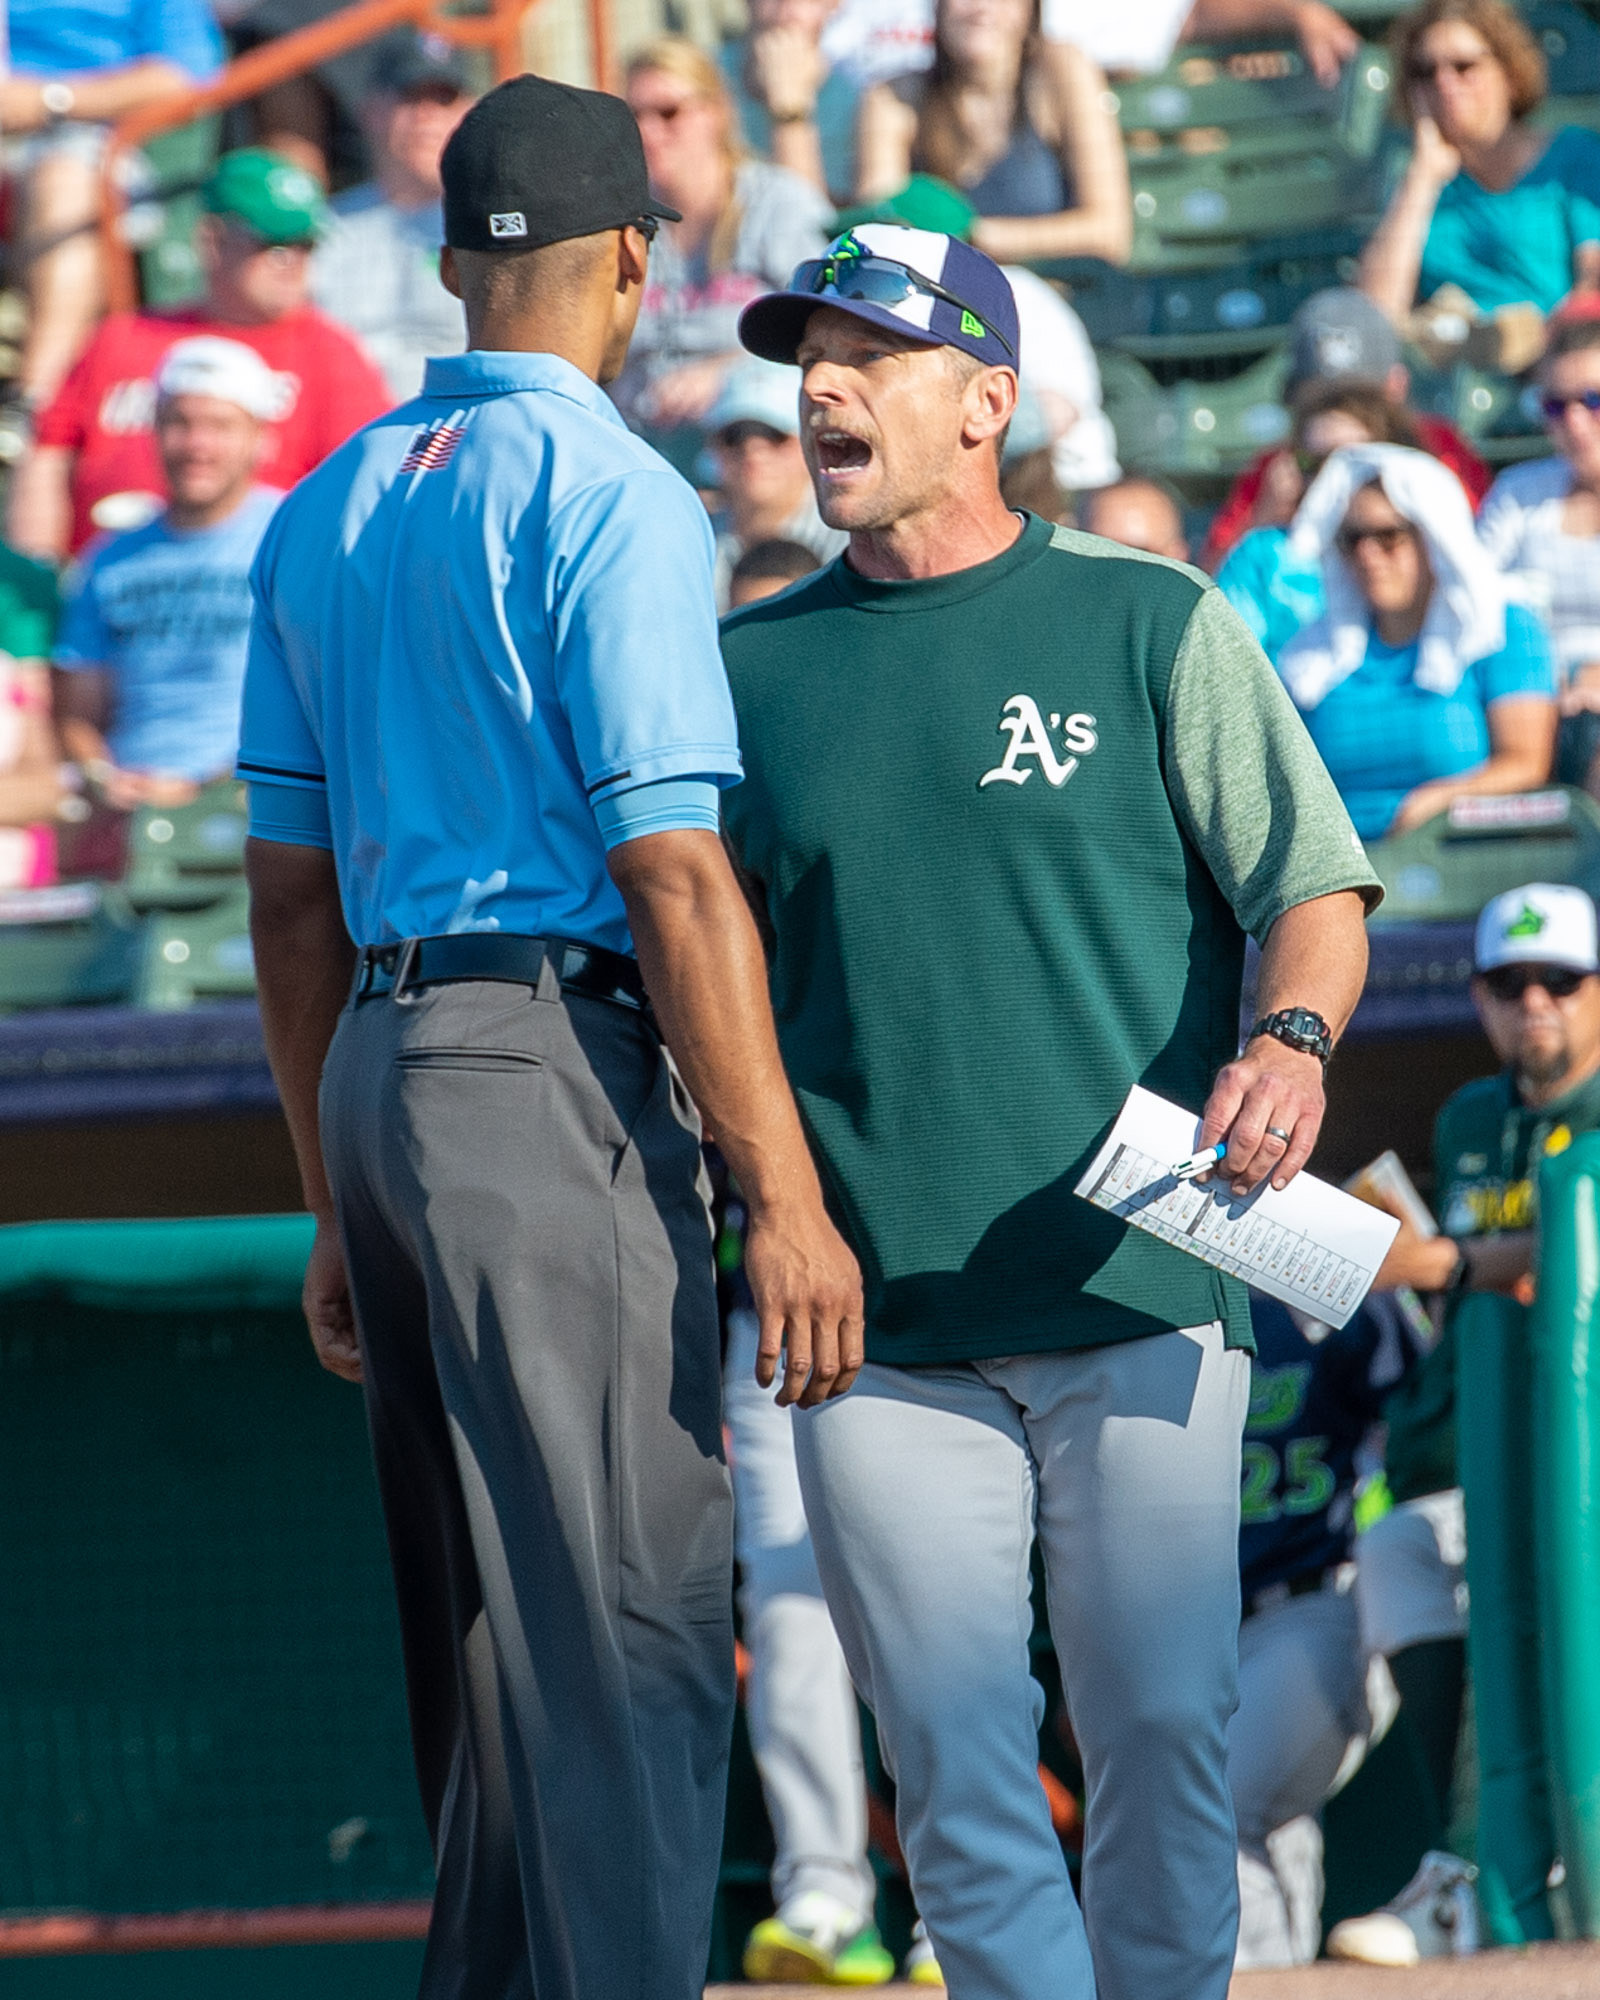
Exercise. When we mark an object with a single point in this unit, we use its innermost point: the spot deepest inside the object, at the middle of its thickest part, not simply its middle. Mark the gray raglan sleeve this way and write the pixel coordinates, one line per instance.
(1246, 781)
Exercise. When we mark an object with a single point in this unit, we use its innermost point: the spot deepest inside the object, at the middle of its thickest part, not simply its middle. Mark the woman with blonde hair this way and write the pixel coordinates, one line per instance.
(1493, 207)
(746, 225)
(1021, 125)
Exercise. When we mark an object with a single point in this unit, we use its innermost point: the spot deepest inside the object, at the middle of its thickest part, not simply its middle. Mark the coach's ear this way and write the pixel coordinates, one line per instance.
(449, 276)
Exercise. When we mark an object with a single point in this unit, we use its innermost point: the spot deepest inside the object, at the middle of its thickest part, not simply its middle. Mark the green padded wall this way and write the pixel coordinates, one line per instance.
(200, 1688)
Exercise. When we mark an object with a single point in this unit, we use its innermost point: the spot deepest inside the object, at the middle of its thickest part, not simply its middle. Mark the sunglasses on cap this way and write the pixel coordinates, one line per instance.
(1348, 540)
(1510, 982)
(879, 281)
(1556, 407)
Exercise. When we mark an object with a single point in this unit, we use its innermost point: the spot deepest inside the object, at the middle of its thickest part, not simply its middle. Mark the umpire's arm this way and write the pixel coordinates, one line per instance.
(304, 965)
(707, 977)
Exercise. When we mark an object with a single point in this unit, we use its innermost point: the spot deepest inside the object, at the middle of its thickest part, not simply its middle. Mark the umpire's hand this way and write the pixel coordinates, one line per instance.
(326, 1299)
(807, 1288)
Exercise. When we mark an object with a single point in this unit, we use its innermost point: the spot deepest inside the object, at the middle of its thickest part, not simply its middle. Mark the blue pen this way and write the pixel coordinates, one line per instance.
(1197, 1163)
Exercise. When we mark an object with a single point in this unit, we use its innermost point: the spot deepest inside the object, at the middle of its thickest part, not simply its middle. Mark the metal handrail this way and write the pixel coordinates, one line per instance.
(499, 30)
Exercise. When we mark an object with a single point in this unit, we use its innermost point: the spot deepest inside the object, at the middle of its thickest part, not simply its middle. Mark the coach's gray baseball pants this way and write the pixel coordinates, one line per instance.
(516, 1174)
(924, 1488)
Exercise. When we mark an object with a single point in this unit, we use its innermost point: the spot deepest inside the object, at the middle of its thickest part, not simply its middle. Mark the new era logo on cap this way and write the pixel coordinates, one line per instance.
(513, 223)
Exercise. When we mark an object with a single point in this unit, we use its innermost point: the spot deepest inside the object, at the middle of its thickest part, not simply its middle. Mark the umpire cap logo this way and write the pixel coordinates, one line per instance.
(513, 223)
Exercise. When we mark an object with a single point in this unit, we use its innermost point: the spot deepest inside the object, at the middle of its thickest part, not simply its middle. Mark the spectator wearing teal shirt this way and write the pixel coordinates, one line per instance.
(1421, 683)
(1504, 212)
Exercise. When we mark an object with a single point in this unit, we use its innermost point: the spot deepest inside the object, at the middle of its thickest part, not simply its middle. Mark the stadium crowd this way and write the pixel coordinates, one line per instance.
(1437, 628)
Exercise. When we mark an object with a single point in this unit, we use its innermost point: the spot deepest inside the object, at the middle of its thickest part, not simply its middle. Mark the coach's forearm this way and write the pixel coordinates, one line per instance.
(1316, 956)
(707, 978)
(304, 962)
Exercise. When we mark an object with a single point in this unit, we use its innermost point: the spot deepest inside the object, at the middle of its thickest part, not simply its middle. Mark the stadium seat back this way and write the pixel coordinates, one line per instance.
(190, 955)
(1447, 869)
(67, 946)
(183, 857)
(164, 222)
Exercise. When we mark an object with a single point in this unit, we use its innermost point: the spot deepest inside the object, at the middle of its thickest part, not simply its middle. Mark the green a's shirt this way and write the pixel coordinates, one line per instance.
(1012, 826)
(1487, 1145)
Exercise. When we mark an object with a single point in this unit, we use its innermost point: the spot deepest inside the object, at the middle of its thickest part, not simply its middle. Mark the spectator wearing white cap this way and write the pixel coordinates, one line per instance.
(150, 654)
(1536, 987)
(766, 491)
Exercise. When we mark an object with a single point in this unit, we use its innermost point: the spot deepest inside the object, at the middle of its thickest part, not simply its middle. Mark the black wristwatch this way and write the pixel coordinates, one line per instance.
(1298, 1028)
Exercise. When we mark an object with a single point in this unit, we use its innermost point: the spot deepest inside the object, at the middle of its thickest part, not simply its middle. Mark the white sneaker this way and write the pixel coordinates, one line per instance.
(1434, 1916)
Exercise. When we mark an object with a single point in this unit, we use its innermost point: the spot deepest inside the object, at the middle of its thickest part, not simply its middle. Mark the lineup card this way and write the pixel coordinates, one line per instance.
(1310, 1245)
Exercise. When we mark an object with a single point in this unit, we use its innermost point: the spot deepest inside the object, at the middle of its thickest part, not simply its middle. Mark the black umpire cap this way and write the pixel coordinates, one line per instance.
(537, 162)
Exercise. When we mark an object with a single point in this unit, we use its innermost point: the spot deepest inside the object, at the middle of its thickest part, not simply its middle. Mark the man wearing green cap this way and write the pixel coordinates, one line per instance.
(93, 466)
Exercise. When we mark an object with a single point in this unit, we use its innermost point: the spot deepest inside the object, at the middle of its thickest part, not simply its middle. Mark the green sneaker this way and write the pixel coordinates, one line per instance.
(815, 1940)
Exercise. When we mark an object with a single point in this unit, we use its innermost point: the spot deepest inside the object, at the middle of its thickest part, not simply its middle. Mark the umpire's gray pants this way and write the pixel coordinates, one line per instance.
(924, 1488)
(516, 1174)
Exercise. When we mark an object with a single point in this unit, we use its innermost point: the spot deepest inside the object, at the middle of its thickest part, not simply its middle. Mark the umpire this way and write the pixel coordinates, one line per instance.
(485, 728)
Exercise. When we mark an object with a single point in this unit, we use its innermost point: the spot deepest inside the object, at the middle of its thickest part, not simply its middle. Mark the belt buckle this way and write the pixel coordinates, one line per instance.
(405, 959)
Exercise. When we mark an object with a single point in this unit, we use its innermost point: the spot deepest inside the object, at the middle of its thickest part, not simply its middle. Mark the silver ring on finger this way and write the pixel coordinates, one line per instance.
(1277, 1132)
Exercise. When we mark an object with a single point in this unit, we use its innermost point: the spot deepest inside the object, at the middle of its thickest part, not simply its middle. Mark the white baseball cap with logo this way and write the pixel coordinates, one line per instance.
(209, 365)
(1543, 923)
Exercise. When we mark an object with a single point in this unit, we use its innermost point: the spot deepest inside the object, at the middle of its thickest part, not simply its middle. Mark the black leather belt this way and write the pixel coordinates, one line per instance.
(1279, 1593)
(587, 969)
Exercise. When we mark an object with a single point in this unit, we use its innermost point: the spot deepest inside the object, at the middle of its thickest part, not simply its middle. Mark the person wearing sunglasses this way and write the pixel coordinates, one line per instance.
(1422, 682)
(1502, 212)
(1013, 796)
(1536, 988)
(1541, 524)
(746, 224)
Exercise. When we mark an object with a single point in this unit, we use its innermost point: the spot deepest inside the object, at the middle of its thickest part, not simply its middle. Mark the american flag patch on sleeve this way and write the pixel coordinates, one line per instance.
(433, 448)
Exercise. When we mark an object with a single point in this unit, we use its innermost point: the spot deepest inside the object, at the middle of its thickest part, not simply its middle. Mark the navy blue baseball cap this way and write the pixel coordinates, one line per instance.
(913, 281)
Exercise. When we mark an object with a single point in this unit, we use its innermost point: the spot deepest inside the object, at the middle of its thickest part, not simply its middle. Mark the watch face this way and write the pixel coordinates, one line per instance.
(1304, 1023)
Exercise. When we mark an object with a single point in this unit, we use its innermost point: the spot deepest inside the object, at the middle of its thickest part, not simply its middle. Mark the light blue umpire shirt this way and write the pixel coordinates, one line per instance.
(484, 650)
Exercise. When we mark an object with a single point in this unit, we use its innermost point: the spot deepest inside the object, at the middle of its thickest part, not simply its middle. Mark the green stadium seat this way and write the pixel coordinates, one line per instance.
(1209, 310)
(184, 857)
(1447, 869)
(189, 955)
(181, 161)
(1194, 428)
(68, 946)
(1237, 142)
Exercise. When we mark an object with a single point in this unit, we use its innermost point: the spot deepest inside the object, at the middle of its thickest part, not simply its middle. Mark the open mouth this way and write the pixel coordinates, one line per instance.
(840, 452)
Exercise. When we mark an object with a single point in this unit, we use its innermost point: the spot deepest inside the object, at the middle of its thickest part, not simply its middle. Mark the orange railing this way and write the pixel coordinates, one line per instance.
(499, 29)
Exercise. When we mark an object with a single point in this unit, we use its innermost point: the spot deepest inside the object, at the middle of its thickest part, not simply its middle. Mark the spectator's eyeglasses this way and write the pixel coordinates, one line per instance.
(1459, 67)
(648, 226)
(734, 437)
(1556, 407)
(1510, 982)
(879, 282)
(1348, 540)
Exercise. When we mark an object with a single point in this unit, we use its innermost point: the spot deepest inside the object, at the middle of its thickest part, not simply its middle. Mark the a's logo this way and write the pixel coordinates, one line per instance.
(512, 223)
(1021, 720)
(431, 449)
(1528, 922)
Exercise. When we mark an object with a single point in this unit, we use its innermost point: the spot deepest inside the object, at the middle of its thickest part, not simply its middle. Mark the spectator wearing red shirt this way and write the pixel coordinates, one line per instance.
(1337, 336)
(94, 465)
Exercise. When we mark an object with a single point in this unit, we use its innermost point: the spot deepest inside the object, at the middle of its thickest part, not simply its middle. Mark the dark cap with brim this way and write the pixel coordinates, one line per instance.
(537, 162)
(973, 309)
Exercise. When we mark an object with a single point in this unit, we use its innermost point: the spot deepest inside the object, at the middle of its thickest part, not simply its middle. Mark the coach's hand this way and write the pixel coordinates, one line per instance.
(1269, 1091)
(326, 1299)
(807, 1288)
